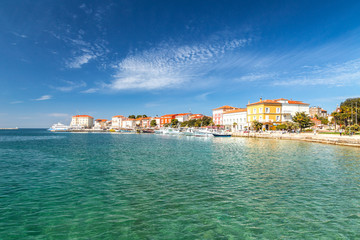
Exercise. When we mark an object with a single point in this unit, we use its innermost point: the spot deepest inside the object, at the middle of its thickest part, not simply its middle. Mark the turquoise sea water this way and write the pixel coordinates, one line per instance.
(122, 186)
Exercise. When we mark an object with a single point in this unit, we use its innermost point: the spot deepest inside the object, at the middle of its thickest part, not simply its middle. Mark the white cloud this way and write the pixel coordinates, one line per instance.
(78, 61)
(43, 98)
(19, 35)
(16, 102)
(170, 66)
(203, 96)
(90, 90)
(70, 86)
(255, 77)
(59, 115)
(344, 74)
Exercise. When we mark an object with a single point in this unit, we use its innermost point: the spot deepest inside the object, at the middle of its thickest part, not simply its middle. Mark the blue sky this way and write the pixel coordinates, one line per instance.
(104, 58)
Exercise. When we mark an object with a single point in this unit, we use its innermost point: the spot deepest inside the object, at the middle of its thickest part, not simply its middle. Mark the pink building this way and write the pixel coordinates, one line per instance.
(218, 114)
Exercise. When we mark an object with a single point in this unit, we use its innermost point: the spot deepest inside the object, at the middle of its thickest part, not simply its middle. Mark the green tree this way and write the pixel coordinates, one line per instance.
(302, 119)
(281, 127)
(257, 125)
(184, 124)
(324, 121)
(132, 116)
(153, 123)
(350, 111)
(174, 122)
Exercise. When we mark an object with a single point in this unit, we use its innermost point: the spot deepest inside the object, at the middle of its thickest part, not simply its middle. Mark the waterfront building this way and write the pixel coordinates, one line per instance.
(316, 122)
(290, 107)
(116, 121)
(218, 114)
(101, 124)
(317, 111)
(196, 116)
(236, 120)
(128, 123)
(82, 121)
(268, 112)
(182, 117)
(166, 119)
(145, 122)
(157, 120)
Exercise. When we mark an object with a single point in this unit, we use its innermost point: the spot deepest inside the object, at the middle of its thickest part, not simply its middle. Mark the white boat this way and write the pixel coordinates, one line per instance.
(203, 133)
(59, 127)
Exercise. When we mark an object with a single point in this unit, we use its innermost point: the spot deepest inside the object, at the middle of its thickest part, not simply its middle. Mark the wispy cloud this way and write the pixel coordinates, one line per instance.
(86, 9)
(343, 74)
(82, 52)
(70, 86)
(203, 96)
(255, 77)
(169, 66)
(78, 61)
(152, 104)
(16, 102)
(43, 98)
(90, 90)
(59, 115)
(19, 35)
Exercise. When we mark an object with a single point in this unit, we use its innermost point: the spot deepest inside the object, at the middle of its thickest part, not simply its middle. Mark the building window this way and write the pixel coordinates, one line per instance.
(254, 110)
(267, 110)
(254, 117)
(260, 110)
(277, 118)
(249, 111)
(277, 110)
(267, 118)
(260, 118)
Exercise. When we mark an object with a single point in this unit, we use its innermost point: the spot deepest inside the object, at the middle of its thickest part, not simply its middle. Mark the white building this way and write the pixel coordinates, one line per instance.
(116, 121)
(183, 117)
(128, 123)
(236, 120)
(82, 121)
(290, 107)
(101, 124)
(157, 120)
(218, 114)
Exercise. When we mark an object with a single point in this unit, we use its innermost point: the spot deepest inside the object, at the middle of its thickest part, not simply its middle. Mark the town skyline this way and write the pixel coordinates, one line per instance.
(159, 57)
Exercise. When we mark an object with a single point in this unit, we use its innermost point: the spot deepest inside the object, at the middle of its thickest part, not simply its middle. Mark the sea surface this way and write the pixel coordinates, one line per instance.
(131, 186)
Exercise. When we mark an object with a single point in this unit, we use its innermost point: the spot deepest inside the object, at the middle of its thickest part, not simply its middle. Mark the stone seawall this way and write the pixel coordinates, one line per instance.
(353, 141)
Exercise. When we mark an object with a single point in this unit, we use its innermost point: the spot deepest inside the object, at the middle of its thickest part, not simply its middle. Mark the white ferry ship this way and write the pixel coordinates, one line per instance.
(59, 127)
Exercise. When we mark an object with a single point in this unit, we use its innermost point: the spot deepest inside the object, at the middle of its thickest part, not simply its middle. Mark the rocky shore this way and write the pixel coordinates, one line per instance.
(353, 141)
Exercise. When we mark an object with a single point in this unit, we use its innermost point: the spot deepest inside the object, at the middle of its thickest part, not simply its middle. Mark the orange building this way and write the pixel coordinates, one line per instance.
(166, 119)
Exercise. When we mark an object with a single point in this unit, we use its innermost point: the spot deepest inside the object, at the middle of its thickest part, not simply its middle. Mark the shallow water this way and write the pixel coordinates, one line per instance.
(128, 186)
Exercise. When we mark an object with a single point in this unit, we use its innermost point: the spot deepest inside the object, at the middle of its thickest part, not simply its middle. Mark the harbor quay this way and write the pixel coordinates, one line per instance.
(352, 141)
(266, 118)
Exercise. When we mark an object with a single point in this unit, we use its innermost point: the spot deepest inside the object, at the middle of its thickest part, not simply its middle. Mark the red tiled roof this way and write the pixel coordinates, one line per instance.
(225, 107)
(182, 114)
(83, 116)
(296, 102)
(168, 115)
(196, 117)
(281, 99)
(265, 101)
(118, 116)
(101, 120)
(237, 110)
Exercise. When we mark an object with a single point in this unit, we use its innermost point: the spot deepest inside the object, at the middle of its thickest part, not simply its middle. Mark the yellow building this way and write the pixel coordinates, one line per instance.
(268, 112)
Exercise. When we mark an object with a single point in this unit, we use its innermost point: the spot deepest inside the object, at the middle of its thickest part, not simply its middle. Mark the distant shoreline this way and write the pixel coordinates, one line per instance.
(351, 141)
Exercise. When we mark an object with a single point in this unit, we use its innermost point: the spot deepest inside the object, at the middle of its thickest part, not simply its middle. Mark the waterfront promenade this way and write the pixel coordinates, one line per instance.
(353, 141)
